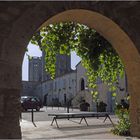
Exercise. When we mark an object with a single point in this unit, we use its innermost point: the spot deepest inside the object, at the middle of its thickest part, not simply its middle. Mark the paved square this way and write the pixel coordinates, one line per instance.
(70, 129)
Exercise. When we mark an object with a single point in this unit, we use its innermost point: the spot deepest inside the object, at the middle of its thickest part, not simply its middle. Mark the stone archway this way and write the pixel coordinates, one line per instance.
(120, 41)
(21, 20)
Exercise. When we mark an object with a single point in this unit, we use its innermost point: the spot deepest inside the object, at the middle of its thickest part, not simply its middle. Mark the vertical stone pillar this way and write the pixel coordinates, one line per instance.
(134, 91)
(9, 100)
(135, 108)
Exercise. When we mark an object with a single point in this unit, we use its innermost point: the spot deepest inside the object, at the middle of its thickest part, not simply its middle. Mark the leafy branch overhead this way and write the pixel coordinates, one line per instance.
(98, 56)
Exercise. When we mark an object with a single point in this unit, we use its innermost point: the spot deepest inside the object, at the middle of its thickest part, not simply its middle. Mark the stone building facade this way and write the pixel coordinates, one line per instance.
(70, 87)
(31, 88)
(104, 95)
(41, 85)
(60, 91)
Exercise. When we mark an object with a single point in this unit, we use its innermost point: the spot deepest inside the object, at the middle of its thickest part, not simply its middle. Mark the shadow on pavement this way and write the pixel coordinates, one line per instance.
(69, 136)
(80, 127)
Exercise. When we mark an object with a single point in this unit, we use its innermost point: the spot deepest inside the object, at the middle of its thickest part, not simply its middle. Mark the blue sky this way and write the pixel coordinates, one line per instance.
(35, 51)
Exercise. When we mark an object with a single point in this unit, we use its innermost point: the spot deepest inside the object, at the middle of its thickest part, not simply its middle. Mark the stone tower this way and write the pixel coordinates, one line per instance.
(63, 64)
(37, 67)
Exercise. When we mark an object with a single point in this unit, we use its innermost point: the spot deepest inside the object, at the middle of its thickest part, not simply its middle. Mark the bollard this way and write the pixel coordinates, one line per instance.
(32, 117)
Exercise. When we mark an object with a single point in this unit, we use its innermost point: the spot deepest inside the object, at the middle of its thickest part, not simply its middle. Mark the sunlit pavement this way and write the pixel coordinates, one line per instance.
(69, 129)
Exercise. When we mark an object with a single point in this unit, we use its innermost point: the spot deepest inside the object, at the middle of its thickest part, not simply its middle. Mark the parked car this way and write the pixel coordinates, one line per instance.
(30, 102)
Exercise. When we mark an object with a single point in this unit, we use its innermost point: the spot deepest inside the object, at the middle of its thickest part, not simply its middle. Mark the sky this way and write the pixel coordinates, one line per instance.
(35, 51)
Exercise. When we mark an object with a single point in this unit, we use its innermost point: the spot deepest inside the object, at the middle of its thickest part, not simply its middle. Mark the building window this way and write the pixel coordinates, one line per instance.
(82, 84)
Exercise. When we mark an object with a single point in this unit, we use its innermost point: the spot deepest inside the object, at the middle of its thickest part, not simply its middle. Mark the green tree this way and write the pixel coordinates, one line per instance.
(98, 55)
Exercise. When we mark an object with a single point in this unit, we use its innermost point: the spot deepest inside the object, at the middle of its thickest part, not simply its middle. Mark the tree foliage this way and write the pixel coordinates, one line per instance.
(98, 55)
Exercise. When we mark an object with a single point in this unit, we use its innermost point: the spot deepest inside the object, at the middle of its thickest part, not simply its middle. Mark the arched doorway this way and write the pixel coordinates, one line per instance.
(102, 22)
